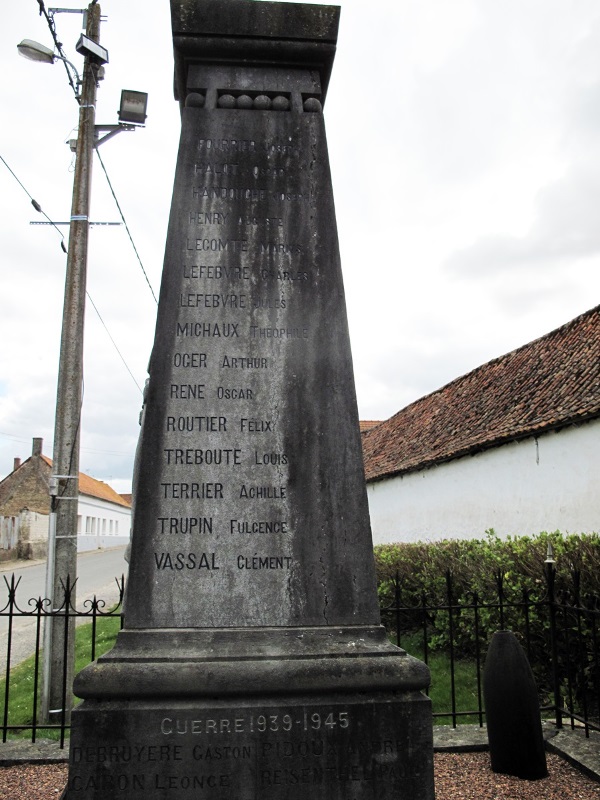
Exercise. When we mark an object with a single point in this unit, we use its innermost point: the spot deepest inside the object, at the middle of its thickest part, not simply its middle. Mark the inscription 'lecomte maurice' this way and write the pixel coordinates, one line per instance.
(241, 246)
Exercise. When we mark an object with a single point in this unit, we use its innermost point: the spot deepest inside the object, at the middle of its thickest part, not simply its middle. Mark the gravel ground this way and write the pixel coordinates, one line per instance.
(458, 776)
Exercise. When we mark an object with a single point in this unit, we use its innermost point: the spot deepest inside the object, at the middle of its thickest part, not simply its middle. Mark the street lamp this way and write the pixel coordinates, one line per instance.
(59, 651)
(34, 51)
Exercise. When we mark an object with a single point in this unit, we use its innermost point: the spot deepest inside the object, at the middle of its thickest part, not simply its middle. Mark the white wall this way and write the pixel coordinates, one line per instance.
(520, 488)
(101, 524)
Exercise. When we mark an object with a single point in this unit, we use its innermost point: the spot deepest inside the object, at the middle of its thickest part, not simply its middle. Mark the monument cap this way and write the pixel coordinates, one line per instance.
(275, 34)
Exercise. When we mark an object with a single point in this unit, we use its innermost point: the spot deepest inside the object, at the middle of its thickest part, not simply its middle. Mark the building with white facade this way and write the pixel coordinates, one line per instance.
(103, 516)
(513, 445)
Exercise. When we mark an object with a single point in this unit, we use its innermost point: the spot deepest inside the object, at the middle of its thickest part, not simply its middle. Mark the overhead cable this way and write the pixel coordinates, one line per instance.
(113, 341)
(58, 45)
(36, 205)
(126, 225)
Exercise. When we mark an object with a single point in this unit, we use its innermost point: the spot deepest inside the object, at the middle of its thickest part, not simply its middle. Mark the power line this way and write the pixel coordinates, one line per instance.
(126, 225)
(27, 440)
(113, 341)
(36, 205)
(58, 45)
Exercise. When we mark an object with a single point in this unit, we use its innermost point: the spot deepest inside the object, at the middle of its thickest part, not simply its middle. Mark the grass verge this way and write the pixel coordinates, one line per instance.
(440, 691)
(21, 686)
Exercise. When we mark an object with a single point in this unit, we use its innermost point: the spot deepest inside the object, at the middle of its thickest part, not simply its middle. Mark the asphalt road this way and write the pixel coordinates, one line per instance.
(96, 573)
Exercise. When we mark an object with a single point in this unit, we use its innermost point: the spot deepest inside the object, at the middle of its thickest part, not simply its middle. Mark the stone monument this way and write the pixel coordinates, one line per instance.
(252, 663)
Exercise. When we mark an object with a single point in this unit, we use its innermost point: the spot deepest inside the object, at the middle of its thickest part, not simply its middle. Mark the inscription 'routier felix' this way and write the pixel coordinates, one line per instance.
(252, 662)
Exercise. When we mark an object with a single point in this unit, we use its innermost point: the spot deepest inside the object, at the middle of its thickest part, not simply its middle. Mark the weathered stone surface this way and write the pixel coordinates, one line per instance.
(336, 747)
(251, 599)
(254, 511)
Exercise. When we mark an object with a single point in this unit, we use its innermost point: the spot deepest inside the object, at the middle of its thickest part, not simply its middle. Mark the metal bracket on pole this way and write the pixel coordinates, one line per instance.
(112, 131)
(53, 486)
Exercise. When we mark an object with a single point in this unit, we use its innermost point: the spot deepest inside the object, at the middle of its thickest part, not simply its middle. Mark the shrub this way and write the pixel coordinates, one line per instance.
(489, 584)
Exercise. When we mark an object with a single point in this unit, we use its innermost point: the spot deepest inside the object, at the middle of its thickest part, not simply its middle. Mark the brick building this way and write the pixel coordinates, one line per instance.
(103, 516)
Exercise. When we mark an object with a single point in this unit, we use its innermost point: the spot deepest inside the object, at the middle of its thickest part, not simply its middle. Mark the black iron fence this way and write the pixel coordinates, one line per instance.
(558, 630)
(21, 658)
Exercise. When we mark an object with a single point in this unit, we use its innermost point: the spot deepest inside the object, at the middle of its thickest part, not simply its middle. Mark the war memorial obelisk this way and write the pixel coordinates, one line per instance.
(252, 664)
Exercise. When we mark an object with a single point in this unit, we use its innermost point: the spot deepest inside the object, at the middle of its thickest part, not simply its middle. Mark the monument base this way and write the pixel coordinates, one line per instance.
(252, 714)
(337, 746)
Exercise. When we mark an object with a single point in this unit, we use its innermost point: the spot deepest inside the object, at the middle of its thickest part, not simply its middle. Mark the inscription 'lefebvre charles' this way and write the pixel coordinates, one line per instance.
(233, 303)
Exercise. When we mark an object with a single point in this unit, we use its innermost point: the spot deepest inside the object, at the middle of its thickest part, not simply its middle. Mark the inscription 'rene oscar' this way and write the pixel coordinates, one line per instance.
(252, 662)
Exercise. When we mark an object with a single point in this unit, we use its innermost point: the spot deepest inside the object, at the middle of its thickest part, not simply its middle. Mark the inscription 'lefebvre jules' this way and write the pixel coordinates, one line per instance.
(225, 302)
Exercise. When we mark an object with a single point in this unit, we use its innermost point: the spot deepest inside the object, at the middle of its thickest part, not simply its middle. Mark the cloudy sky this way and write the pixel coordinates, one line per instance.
(464, 138)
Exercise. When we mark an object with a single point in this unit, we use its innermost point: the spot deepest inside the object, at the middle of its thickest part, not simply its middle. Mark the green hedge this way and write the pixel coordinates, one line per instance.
(476, 564)
(477, 568)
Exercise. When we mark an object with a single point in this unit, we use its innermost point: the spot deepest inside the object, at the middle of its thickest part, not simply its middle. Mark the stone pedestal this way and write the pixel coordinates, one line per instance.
(252, 663)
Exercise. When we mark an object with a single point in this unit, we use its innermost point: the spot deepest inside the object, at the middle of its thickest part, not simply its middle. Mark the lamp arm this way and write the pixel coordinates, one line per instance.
(73, 67)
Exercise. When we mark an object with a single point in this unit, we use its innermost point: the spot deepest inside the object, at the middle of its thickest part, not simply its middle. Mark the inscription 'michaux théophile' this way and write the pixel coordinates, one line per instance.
(252, 662)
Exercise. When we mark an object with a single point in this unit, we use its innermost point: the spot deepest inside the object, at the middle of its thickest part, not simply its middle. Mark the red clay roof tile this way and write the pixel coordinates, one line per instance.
(551, 382)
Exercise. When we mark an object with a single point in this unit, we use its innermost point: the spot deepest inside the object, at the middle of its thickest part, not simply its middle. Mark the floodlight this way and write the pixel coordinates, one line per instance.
(133, 107)
(90, 49)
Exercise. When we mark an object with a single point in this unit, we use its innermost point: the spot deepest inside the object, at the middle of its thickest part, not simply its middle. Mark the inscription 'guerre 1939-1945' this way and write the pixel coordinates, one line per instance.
(252, 661)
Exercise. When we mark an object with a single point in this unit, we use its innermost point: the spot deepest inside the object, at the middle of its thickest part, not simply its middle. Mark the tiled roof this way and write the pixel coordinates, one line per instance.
(367, 424)
(93, 488)
(547, 384)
